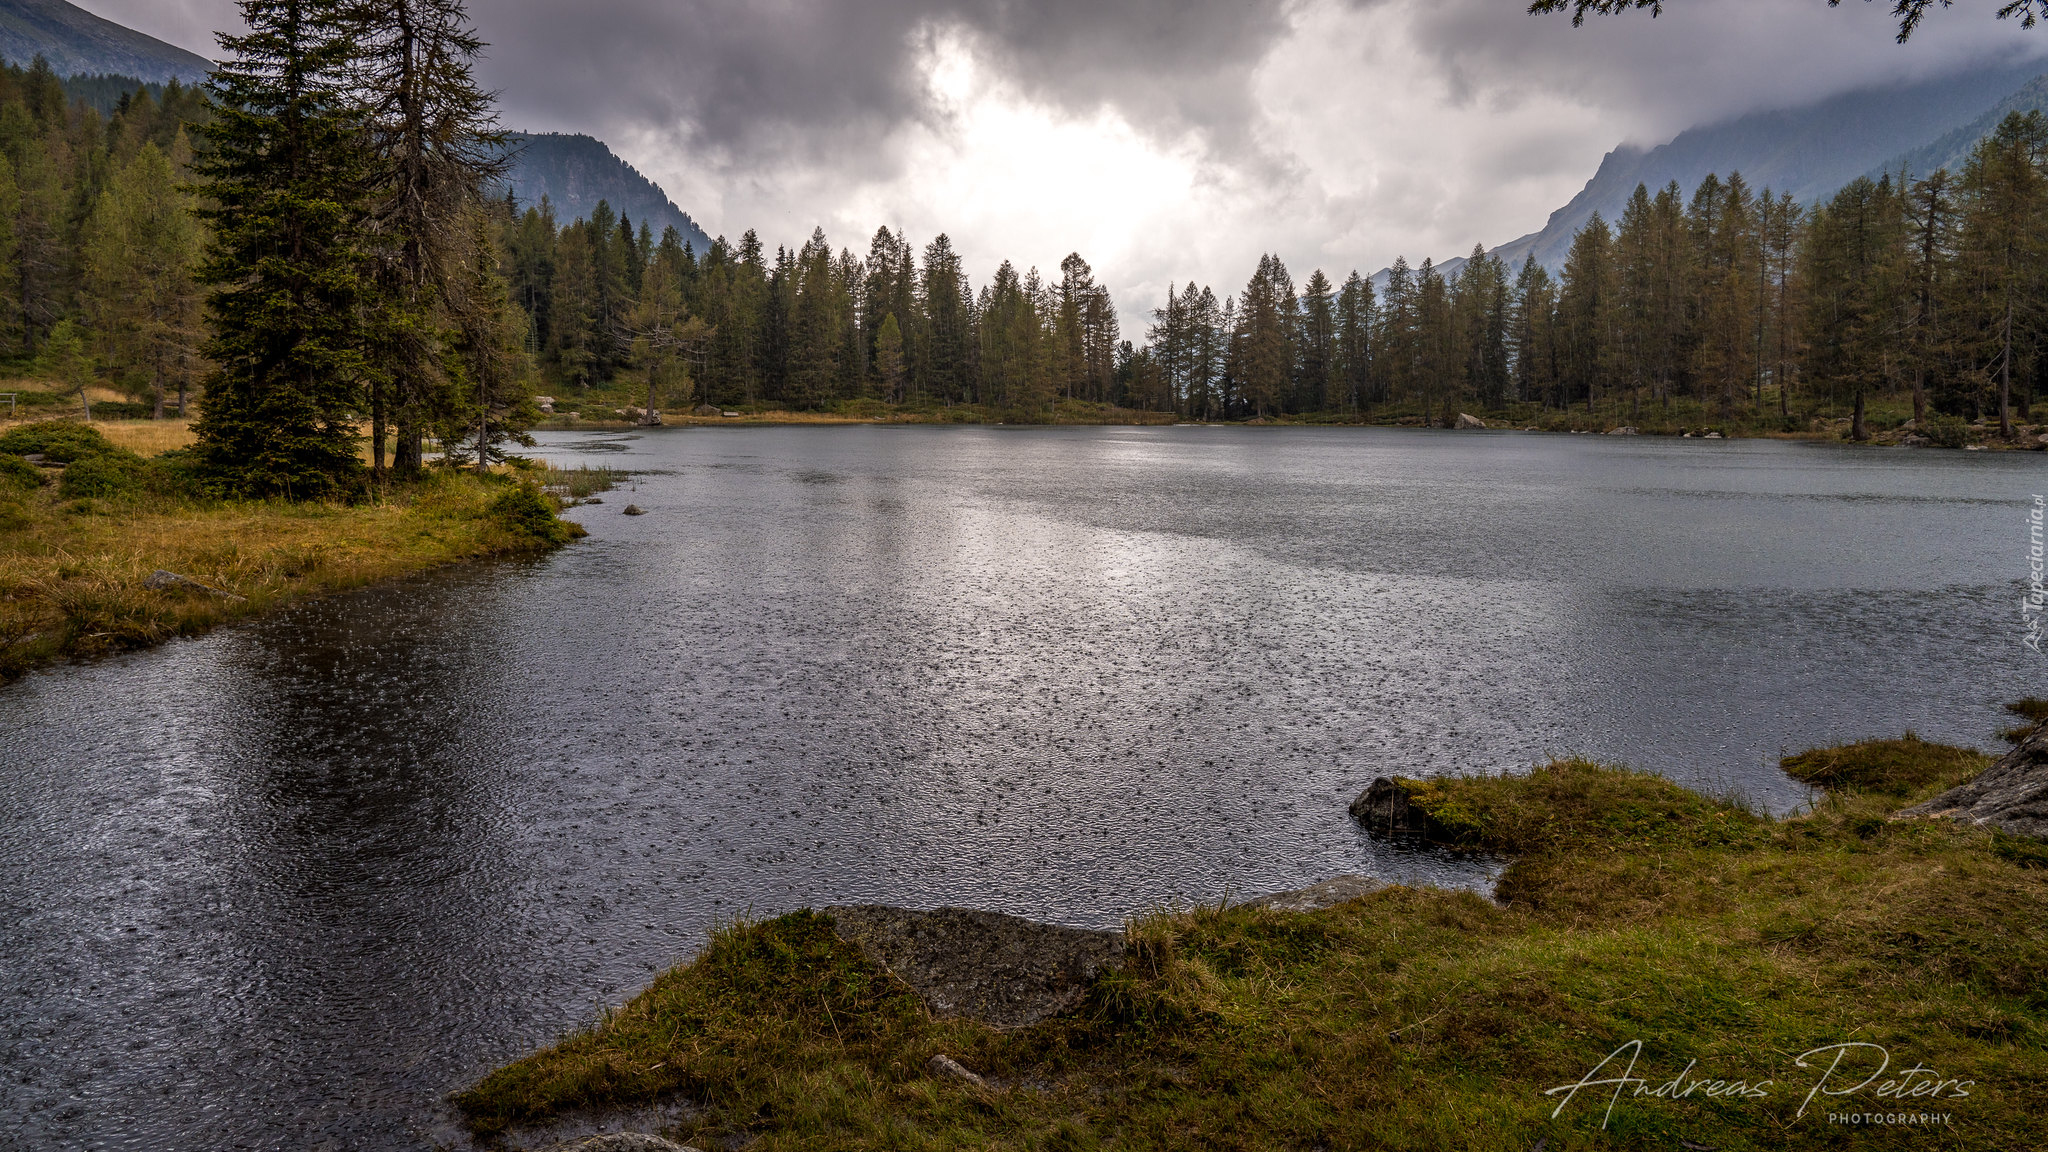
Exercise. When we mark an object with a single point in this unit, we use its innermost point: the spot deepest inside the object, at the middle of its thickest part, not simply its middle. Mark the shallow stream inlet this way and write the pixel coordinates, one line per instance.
(289, 884)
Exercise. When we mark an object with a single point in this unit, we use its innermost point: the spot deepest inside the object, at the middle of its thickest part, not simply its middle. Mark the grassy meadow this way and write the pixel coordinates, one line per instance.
(78, 544)
(1687, 946)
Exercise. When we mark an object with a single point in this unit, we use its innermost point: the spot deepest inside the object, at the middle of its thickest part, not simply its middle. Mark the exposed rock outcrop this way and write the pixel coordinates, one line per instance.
(621, 1142)
(2011, 795)
(704, 410)
(944, 1065)
(1316, 897)
(164, 580)
(1384, 807)
(1001, 970)
(1468, 420)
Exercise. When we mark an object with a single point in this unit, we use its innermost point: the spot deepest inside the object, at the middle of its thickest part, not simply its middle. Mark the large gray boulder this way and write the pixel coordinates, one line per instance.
(1468, 420)
(1316, 897)
(1000, 970)
(2011, 795)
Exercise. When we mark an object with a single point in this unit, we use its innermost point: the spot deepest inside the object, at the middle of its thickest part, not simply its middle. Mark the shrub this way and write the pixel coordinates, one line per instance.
(114, 474)
(19, 475)
(1946, 431)
(60, 440)
(522, 510)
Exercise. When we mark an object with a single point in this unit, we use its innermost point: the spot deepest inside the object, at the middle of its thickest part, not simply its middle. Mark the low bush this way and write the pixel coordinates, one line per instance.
(116, 473)
(60, 440)
(19, 475)
(1946, 431)
(523, 511)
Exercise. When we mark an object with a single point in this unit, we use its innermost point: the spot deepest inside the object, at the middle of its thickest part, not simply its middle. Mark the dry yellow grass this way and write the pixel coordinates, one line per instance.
(72, 572)
(147, 437)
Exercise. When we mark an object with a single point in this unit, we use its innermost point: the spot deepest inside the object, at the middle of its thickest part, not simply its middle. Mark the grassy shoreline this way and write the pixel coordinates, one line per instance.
(1725, 943)
(75, 570)
(1888, 424)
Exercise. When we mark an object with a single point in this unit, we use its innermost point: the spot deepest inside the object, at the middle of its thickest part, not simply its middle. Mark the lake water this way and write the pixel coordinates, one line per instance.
(289, 884)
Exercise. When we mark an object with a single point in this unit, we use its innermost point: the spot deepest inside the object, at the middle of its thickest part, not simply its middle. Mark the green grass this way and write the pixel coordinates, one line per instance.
(1885, 767)
(1415, 1019)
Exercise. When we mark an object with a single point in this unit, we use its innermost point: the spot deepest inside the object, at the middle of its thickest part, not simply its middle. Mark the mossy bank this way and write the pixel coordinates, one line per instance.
(1715, 960)
(85, 525)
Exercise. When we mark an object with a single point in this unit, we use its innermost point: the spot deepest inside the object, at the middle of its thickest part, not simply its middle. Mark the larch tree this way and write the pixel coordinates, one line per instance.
(141, 250)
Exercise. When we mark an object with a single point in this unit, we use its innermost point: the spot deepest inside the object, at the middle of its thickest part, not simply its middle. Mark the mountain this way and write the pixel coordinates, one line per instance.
(1952, 149)
(575, 172)
(77, 43)
(1809, 151)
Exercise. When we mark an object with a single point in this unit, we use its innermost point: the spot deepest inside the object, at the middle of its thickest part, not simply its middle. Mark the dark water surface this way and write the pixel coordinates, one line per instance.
(287, 885)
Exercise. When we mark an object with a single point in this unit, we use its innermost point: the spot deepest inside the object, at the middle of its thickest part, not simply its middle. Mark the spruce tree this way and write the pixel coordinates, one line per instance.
(283, 182)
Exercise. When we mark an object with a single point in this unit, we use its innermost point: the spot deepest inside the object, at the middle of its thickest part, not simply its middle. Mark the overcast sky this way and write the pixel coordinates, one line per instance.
(1162, 139)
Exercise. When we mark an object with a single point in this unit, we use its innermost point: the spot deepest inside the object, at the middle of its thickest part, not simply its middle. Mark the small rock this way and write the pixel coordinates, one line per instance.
(1316, 897)
(2011, 794)
(1913, 441)
(620, 1142)
(735, 415)
(944, 1065)
(163, 580)
(1001, 970)
(592, 500)
(634, 510)
(1623, 431)
(1714, 436)
(1468, 420)
(36, 458)
(1384, 806)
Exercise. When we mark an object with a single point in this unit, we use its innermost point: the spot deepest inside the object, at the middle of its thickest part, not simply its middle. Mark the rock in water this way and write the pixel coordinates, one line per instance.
(635, 510)
(2011, 795)
(944, 1065)
(1384, 807)
(1468, 420)
(1316, 897)
(985, 966)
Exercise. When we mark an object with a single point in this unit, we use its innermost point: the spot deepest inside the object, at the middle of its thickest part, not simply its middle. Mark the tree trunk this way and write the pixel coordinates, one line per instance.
(2005, 379)
(1857, 431)
(156, 394)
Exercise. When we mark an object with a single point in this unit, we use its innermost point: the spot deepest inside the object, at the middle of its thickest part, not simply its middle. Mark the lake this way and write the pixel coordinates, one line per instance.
(289, 884)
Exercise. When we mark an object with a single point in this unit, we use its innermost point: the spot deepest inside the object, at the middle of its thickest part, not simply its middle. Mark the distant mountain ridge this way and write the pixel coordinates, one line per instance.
(575, 172)
(76, 42)
(1952, 149)
(1810, 151)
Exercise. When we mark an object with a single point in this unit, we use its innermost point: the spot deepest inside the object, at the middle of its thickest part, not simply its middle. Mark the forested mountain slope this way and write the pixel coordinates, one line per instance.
(1810, 151)
(576, 172)
(76, 42)
(1952, 148)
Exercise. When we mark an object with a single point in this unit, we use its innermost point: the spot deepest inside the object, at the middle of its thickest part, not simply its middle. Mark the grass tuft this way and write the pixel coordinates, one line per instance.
(1885, 767)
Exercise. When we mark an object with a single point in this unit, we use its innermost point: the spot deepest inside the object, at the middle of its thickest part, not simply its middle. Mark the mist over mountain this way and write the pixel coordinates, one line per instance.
(575, 172)
(76, 43)
(1809, 151)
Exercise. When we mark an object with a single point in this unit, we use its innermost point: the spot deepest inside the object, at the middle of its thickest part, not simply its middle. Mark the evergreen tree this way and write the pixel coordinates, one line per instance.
(284, 186)
(142, 247)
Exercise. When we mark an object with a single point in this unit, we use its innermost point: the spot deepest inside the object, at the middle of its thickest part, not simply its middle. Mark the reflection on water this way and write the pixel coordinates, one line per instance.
(287, 885)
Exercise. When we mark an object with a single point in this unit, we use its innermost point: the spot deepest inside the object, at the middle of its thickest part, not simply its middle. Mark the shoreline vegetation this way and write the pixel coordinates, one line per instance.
(1716, 960)
(1884, 427)
(87, 524)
